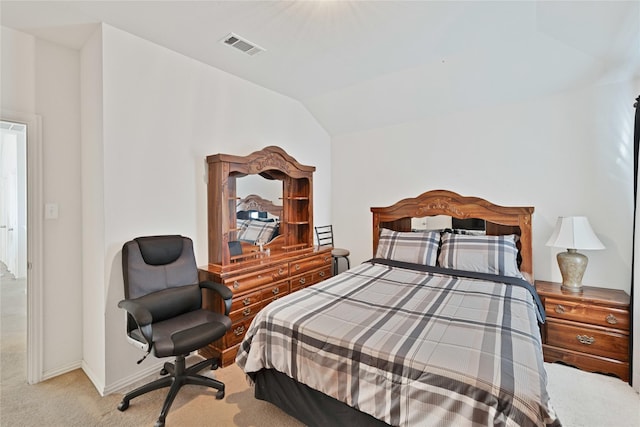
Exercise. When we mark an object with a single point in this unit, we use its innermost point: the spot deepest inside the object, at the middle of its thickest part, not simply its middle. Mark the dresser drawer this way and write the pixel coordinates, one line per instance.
(312, 263)
(236, 333)
(245, 300)
(276, 291)
(586, 313)
(245, 312)
(593, 340)
(301, 281)
(319, 276)
(247, 282)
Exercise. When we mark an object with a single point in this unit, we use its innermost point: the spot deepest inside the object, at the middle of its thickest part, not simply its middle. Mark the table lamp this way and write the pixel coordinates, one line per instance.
(573, 233)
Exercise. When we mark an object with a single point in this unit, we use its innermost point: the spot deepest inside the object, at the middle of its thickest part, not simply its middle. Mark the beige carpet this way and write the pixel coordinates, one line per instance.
(581, 399)
(71, 400)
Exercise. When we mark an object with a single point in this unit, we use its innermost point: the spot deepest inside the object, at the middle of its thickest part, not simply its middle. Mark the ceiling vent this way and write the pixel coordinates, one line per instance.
(241, 44)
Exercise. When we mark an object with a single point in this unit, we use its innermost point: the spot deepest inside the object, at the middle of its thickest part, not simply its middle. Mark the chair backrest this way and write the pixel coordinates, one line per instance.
(162, 270)
(324, 233)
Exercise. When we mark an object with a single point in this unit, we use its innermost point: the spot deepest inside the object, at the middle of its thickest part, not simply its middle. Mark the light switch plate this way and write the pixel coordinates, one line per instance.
(51, 211)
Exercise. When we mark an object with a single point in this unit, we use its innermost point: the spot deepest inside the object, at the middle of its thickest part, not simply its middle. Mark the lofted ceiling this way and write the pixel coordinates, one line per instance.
(358, 65)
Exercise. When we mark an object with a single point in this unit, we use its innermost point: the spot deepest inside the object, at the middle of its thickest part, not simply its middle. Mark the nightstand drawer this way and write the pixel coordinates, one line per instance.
(593, 340)
(585, 313)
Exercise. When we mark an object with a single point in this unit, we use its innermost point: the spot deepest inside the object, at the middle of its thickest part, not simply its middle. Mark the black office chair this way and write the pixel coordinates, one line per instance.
(324, 233)
(164, 313)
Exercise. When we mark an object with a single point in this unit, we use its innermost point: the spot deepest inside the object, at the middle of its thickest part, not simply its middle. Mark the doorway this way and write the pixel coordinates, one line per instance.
(13, 247)
(13, 200)
(21, 230)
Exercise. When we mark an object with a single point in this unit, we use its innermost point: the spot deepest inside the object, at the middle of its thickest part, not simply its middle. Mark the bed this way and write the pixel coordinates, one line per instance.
(439, 328)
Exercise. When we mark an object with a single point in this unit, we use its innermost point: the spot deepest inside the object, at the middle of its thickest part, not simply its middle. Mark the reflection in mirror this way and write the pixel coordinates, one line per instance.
(269, 189)
(258, 209)
(437, 222)
(441, 222)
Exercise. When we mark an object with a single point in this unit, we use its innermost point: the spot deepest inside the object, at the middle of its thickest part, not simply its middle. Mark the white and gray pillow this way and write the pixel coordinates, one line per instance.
(418, 247)
(484, 254)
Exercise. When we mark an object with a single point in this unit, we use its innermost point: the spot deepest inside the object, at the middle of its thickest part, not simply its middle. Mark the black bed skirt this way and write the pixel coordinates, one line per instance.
(309, 406)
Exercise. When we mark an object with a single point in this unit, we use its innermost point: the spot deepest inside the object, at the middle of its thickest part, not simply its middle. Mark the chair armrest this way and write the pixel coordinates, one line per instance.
(140, 314)
(222, 290)
(143, 318)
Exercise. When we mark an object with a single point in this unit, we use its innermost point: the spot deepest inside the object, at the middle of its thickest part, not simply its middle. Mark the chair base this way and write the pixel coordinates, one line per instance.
(179, 375)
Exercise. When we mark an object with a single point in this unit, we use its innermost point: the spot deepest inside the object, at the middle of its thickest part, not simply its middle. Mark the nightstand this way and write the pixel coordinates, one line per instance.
(588, 330)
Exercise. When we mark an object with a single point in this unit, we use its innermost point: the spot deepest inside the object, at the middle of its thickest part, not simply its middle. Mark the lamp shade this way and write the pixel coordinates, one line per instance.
(574, 232)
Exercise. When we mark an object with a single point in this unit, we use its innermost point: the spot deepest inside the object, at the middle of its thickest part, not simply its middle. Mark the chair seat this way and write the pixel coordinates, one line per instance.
(337, 252)
(187, 332)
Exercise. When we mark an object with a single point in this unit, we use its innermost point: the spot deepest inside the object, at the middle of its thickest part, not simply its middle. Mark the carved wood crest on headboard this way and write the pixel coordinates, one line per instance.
(500, 220)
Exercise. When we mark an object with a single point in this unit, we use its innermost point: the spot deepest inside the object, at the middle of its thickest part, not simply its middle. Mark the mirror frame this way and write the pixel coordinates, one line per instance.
(296, 222)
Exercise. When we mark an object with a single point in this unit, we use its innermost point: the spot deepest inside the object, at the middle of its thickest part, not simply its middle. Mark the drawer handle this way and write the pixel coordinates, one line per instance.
(275, 291)
(302, 280)
(611, 319)
(246, 311)
(297, 267)
(239, 330)
(280, 270)
(246, 301)
(583, 339)
(236, 284)
(560, 309)
(321, 274)
(327, 259)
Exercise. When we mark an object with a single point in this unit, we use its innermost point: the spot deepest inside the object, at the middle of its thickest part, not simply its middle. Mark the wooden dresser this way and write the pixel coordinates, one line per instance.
(588, 330)
(290, 260)
(256, 284)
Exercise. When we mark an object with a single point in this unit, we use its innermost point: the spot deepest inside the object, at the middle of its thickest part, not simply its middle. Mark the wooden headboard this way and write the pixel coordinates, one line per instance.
(500, 220)
(254, 202)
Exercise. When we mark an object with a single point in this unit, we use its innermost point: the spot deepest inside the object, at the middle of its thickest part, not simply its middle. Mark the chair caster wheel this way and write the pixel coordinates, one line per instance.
(214, 366)
(123, 405)
(163, 371)
(220, 394)
(159, 424)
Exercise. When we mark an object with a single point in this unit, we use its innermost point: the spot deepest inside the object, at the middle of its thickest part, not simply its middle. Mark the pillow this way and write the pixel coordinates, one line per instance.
(484, 254)
(419, 247)
(254, 230)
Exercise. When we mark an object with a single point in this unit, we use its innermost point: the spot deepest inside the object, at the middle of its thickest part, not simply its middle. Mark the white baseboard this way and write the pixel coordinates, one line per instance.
(59, 371)
(126, 383)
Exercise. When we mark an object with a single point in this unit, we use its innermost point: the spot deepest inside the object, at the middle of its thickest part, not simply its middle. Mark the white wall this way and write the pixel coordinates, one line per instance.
(41, 78)
(93, 233)
(163, 113)
(569, 154)
(58, 102)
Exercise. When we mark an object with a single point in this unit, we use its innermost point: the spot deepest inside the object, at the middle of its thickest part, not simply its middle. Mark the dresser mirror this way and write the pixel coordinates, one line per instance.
(268, 189)
(273, 185)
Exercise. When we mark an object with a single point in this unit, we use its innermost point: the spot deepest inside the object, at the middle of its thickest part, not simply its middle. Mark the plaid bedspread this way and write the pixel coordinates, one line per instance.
(410, 348)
